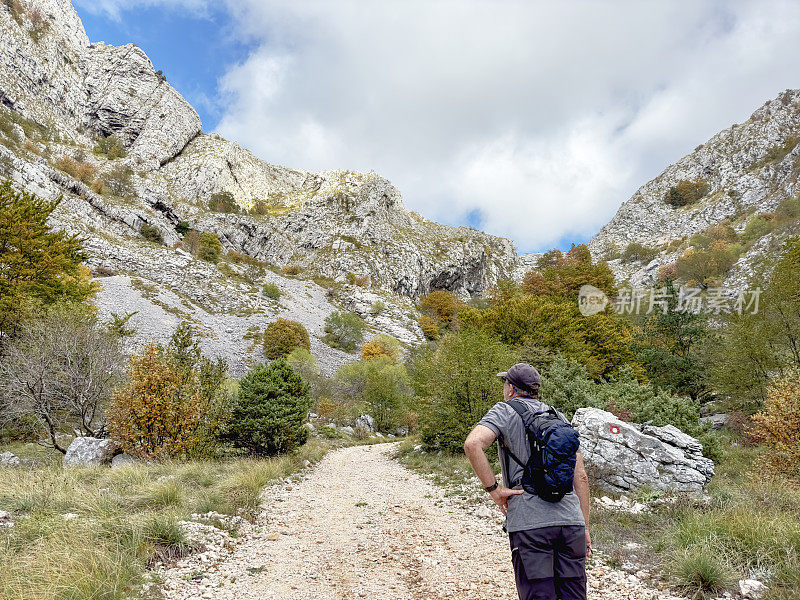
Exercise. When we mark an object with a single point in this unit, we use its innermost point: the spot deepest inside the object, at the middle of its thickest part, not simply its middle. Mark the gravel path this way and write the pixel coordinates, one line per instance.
(361, 525)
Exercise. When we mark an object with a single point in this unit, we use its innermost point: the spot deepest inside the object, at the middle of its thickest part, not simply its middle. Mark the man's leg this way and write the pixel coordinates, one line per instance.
(569, 563)
(532, 557)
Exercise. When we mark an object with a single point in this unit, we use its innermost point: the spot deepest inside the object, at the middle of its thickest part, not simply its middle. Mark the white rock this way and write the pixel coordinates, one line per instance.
(8, 459)
(89, 451)
(752, 588)
(366, 422)
(624, 457)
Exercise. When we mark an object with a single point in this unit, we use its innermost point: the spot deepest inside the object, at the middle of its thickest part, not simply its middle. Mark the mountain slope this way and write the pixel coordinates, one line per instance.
(746, 169)
(345, 236)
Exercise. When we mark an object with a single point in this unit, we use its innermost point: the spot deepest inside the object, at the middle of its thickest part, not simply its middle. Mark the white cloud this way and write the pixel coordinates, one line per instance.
(115, 8)
(541, 116)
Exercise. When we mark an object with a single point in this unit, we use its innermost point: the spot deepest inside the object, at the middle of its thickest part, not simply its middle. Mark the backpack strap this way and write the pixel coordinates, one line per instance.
(526, 417)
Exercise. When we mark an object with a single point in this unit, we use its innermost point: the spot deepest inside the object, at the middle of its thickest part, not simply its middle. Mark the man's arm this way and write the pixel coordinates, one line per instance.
(475, 447)
(581, 485)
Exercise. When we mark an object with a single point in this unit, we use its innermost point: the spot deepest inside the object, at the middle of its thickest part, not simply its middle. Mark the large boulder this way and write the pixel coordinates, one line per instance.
(89, 451)
(624, 456)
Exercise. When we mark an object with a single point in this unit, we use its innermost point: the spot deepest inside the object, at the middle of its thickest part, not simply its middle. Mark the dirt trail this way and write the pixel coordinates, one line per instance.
(363, 526)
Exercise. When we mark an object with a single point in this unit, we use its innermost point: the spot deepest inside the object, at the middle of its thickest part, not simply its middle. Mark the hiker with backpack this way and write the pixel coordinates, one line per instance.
(545, 492)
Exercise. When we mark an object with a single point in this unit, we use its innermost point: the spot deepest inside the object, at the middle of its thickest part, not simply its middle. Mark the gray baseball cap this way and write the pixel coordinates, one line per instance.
(523, 376)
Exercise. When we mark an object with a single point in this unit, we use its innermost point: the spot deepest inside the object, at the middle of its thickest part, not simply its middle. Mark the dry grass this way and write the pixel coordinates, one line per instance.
(125, 519)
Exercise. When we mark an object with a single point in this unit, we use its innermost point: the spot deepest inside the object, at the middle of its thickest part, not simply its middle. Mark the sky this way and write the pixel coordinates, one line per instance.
(527, 119)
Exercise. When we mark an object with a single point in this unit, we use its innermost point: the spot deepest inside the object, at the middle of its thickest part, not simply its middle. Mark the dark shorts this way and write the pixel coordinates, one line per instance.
(550, 563)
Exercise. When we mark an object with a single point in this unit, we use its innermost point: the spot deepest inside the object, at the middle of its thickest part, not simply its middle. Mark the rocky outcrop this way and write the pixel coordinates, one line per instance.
(127, 98)
(90, 452)
(52, 74)
(623, 456)
(333, 224)
(748, 168)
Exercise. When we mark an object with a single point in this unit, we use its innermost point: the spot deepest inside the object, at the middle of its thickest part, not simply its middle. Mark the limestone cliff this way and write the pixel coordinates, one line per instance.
(347, 235)
(747, 169)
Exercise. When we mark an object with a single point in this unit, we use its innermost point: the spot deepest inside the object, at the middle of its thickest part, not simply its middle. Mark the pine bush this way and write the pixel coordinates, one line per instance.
(267, 417)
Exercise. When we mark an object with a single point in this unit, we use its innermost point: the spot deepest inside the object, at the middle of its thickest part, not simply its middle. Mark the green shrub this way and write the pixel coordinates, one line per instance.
(223, 202)
(304, 363)
(344, 330)
(668, 347)
(380, 387)
(268, 415)
(686, 192)
(111, 147)
(641, 403)
(377, 307)
(757, 227)
(764, 343)
(788, 210)
(282, 336)
(272, 291)
(457, 384)
(209, 247)
(152, 233)
(701, 572)
(638, 252)
(118, 181)
(568, 387)
(707, 267)
(183, 227)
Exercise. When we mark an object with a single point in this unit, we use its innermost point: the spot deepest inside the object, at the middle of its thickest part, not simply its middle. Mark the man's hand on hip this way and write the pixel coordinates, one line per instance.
(588, 544)
(501, 496)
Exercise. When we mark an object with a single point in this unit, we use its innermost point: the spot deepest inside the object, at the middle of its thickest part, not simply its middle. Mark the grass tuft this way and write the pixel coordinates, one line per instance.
(701, 572)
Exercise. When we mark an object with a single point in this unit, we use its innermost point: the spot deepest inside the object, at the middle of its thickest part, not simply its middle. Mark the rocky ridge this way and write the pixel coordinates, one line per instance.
(749, 169)
(347, 235)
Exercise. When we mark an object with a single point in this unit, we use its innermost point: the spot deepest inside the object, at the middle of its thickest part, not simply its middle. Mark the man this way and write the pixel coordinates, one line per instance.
(549, 540)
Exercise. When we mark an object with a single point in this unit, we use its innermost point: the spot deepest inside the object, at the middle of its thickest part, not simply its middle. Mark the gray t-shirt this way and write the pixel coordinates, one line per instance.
(526, 511)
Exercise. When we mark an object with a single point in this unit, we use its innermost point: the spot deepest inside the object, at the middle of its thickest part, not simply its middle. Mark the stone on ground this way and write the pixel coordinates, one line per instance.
(89, 451)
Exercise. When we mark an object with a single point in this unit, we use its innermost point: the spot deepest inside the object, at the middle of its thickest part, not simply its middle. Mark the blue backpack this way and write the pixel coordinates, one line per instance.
(550, 469)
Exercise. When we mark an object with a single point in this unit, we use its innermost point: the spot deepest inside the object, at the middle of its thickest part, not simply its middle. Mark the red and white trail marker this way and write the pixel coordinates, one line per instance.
(614, 429)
